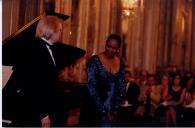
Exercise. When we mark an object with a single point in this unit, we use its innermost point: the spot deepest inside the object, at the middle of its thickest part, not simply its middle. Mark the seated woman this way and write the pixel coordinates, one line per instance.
(149, 100)
(164, 84)
(174, 101)
(189, 102)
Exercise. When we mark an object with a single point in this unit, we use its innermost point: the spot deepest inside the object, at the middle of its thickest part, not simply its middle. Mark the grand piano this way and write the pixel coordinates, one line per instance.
(65, 55)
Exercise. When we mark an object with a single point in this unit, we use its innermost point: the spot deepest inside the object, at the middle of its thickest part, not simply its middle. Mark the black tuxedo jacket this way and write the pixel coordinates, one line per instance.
(132, 93)
(31, 92)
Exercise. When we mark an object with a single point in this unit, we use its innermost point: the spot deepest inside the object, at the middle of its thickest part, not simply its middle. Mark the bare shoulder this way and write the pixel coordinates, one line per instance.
(100, 55)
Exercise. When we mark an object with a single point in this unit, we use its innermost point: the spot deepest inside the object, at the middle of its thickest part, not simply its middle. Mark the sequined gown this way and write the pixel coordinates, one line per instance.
(105, 89)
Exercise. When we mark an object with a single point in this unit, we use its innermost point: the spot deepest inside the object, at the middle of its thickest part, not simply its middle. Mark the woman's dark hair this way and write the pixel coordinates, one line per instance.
(115, 37)
(177, 74)
(187, 79)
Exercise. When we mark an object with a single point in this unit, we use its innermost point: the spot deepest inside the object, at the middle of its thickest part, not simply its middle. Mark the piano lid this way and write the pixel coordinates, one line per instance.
(65, 54)
(30, 28)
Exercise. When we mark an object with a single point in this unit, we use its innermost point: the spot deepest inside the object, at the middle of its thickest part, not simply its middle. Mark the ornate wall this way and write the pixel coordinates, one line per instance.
(159, 33)
(192, 57)
(16, 13)
(90, 23)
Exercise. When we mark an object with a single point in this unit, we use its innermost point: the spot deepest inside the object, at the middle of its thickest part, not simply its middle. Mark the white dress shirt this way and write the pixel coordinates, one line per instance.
(50, 52)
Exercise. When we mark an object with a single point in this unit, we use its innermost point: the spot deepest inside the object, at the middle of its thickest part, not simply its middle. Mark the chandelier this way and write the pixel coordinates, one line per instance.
(128, 7)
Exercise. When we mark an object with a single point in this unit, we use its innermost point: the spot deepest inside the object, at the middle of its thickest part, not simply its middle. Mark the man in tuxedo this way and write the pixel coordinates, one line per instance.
(130, 101)
(32, 87)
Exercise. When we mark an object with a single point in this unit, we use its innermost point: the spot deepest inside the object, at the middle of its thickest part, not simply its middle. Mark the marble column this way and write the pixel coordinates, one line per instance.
(104, 21)
(10, 14)
(151, 33)
(187, 13)
(180, 43)
(64, 7)
(134, 37)
(193, 37)
(176, 39)
(168, 32)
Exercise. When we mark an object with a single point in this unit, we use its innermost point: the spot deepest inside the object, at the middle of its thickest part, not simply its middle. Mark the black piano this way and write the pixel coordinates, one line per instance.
(65, 55)
(10, 50)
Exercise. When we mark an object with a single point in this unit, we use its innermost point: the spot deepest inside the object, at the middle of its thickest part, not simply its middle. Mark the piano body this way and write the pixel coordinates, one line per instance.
(65, 55)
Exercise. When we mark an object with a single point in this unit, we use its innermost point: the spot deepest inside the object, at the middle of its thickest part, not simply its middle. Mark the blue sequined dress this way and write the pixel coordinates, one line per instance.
(106, 89)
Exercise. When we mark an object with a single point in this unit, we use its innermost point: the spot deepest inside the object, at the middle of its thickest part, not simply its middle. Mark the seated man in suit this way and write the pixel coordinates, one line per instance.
(130, 101)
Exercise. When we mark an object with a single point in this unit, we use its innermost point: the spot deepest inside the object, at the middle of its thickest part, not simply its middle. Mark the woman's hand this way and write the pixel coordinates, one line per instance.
(171, 103)
(109, 116)
(45, 122)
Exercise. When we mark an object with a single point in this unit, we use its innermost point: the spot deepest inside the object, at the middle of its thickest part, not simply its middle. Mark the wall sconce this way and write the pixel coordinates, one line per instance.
(128, 7)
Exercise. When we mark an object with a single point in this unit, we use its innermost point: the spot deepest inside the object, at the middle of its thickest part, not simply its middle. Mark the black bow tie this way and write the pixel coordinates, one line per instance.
(47, 44)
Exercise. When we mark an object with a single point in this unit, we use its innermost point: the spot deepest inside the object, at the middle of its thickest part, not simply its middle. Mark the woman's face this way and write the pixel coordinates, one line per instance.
(190, 83)
(177, 80)
(151, 80)
(112, 48)
(164, 80)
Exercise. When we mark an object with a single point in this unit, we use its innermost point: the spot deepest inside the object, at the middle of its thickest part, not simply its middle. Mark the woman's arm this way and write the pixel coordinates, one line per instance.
(174, 103)
(121, 87)
(165, 93)
(92, 71)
